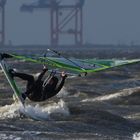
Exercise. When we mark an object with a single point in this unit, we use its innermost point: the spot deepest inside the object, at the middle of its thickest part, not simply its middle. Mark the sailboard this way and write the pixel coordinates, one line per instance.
(17, 92)
(11, 81)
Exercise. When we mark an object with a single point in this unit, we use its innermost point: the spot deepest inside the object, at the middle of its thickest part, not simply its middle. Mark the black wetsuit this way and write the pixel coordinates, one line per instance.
(35, 90)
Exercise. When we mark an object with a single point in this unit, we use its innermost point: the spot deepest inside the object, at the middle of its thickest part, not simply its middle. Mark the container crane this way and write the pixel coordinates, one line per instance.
(2, 24)
(65, 19)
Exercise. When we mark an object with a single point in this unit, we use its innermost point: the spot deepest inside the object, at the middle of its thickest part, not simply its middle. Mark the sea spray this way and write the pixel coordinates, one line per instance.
(9, 111)
(136, 136)
(35, 112)
(43, 112)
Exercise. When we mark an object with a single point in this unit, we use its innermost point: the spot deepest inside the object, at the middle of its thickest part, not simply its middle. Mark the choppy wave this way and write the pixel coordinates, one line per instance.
(123, 93)
(9, 137)
(63, 93)
(36, 112)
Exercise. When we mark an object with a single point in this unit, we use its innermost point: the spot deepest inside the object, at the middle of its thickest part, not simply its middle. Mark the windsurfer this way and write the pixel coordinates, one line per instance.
(36, 90)
(39, 90)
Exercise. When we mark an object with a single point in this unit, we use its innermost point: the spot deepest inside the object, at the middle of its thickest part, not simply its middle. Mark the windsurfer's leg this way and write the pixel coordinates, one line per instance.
(30, 83)
(29, 78)
(23, 76)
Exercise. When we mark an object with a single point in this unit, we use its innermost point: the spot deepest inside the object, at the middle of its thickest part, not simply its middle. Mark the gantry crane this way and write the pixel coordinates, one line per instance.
(2, 21)
(65, 19)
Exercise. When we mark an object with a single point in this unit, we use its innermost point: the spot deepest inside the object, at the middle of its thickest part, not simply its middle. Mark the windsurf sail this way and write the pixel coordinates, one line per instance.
(12, 83)
(77, 67)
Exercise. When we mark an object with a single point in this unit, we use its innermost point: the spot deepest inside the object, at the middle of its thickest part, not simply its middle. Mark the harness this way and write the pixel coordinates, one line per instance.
(47, 80)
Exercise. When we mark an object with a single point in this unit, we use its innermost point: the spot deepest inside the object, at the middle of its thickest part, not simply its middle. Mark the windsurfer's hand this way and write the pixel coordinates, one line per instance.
(45, 68)
(63, 75)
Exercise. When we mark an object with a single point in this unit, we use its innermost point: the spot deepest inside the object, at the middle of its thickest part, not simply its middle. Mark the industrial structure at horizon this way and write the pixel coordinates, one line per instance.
(65, 19)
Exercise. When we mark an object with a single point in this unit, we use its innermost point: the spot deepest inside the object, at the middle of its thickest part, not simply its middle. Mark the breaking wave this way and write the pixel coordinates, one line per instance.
(123, 93)
(35, 112)
(44, 112)
(9, 111)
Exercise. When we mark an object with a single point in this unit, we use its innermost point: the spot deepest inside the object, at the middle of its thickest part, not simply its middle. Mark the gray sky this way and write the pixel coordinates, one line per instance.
(105, 22)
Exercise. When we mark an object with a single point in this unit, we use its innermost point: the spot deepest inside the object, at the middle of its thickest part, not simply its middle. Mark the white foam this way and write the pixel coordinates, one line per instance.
(44, 112)
(9, 137)
(136, 136)
(36, 112)
(123, 93)
(9, 111)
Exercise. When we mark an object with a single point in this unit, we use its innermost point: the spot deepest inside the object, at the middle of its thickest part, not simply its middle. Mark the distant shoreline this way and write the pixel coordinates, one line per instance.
(72, 46)
(85, 51)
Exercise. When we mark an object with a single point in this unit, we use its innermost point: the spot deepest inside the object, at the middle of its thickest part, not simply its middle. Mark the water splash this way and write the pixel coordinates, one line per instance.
(35, 112)
(9, 137)
(43, 112)
(136, 136)
(9, 111)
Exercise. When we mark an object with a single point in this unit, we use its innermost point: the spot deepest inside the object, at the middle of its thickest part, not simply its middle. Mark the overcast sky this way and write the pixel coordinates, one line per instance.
(105, 22)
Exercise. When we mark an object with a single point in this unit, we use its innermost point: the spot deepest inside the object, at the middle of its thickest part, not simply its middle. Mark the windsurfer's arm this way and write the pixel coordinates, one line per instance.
(63, 76)
(42, 73)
